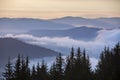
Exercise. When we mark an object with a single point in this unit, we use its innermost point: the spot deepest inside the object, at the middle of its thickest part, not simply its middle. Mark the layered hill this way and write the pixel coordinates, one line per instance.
(10, 47)
(83, 33)
(26, 24)
(107, 23)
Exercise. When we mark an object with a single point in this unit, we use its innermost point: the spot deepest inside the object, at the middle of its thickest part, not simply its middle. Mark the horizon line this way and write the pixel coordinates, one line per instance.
(62, 17)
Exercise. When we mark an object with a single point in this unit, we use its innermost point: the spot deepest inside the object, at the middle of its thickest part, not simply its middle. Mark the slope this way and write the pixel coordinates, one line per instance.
(10, 47)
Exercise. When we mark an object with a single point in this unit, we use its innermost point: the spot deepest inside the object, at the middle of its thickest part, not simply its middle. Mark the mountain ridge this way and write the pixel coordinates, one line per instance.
(26, 24)
(102, 22)
(75, 33)
(11, 47)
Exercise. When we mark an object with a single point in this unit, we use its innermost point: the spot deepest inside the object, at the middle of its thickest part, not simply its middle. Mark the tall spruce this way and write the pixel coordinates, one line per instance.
(78, 65)
(116, 61)
(53, 72)
(82, 67)
(69, 68)
(33, 74)
(59, 66)
(38, 72)
(44, 73)
(86, 67)
(56, 71)
(17, 71)
(25, 71)
(104, 67)
(108, 67)
(8, 71)
(67, 71)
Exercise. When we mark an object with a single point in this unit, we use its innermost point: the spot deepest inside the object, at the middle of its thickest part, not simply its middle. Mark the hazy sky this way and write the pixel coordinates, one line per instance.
(59, 8)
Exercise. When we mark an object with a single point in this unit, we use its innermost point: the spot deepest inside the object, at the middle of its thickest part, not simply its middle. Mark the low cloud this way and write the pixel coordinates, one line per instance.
(104, 38)
(93, 62)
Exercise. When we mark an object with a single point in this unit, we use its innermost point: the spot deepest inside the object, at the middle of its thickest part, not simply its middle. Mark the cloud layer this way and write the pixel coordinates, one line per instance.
(104, 38)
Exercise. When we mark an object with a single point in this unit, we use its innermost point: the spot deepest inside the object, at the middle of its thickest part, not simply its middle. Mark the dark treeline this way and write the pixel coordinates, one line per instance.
(76, 66)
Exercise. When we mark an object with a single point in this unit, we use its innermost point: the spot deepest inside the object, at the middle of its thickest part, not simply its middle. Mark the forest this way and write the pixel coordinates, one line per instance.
(76, 66)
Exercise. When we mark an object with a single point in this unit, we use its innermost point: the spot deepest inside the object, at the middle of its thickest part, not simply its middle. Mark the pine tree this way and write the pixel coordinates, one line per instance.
(53, 72)
(78, 65)
(67, 72)
(17, 72)
(33, 75)
(59, 66)
(44, 74)
(69, 69)
(56, 71)
(72, 54)
(21, 69)
(78, 54)
(82, 67)
(38, 72)
(25, 71)
(116, 61)
(108, 67)
(8, 71)
(86, 67)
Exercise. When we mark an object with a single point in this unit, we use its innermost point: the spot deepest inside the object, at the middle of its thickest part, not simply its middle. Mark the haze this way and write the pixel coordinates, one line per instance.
(59, 8)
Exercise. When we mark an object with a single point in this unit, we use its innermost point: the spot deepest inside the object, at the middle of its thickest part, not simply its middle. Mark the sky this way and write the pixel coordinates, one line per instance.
(59, 8)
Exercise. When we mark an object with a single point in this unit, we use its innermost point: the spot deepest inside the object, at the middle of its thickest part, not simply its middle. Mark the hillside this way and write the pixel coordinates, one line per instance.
(106, 23)
(10, 47)
(26, 24)
(83, 33)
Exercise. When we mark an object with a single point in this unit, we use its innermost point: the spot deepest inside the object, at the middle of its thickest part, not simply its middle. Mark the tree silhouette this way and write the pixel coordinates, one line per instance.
(8, 71)
(69, 68)
(17, 71)
(59, 66)
(82, 67)
(25, 71)
(33, 74)
(53, 73)
(77, 67)
(116, 61)
(108, 67)
(56, 71)
(38, 72)
(86, 72)
(44, 73)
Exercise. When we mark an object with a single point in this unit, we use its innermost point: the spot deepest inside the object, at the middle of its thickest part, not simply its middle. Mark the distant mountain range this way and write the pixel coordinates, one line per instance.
(107, 23)
(18, 25)
(10, 47)
(83, 33)
(26, 24)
